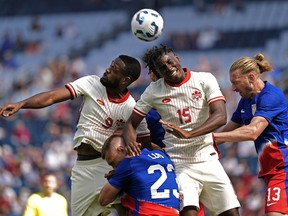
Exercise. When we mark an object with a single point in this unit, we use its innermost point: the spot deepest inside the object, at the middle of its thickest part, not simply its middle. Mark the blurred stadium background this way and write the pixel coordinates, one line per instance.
(44, 44)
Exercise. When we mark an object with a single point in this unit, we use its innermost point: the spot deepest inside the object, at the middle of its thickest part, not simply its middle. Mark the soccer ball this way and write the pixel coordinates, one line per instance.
(147, 24)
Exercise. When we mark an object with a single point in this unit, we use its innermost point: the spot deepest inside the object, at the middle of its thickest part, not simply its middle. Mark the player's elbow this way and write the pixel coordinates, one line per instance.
(222, 120)
(102, 201)
(253, 136)
(252, 133)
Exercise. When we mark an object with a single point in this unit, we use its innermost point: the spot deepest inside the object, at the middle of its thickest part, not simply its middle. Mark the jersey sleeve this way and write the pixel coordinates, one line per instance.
(142, 129)
(211, 88)
(269, 106)
(121, 175)
(81, 86)
(31, 209)
(236, 116)
(144, 104)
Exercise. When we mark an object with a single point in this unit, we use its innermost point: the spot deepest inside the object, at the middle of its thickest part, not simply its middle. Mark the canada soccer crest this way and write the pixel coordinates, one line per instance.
(196, 95)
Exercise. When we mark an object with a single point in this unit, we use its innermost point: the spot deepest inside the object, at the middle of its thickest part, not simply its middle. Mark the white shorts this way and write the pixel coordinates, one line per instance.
(208, 182)
(87, 181)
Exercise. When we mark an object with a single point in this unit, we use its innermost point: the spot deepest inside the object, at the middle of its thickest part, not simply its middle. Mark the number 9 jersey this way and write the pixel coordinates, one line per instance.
(150, 184)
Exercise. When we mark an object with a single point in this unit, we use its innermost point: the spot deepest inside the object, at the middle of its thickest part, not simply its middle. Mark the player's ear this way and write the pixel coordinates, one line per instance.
(126, 80)
(251, 76)
(121, 149)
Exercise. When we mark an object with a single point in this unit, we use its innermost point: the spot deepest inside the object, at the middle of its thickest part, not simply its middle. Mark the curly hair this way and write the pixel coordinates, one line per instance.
(151, 56)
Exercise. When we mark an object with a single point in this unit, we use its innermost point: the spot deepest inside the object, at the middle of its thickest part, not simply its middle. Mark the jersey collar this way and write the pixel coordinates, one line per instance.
(187, 77)
(121, 100)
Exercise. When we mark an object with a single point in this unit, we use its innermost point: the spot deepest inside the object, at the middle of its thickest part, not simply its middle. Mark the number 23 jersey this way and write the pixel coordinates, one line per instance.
(148, 178)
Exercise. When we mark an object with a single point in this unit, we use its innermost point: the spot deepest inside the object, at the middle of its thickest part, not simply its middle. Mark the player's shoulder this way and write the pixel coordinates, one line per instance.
(35, 196)
(130, 101)
(92, 77)
(203, 78)
(60, 197)
(154, 154)
(201, 74)
(270, 88)
(157, 84)
(88, 79)
(272, 96)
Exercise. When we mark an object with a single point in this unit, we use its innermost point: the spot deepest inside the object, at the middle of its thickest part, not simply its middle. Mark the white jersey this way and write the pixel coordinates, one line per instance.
(100, 115)
(188, 108)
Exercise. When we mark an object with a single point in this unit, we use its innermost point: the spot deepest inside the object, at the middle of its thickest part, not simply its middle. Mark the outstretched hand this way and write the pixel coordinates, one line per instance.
(175, 130)
(133, 148)
(9, 109)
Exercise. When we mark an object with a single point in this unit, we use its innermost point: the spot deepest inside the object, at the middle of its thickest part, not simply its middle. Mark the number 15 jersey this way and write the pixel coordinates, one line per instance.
(186, 105)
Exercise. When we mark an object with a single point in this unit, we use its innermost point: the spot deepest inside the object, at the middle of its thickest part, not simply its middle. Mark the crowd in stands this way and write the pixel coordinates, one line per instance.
(37, 140)
(210, 39)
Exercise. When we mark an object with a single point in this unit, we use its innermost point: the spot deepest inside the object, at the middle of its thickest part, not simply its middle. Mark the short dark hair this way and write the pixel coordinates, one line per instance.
(132, 67)
(45, 173)
(151, 56)
(107, 144)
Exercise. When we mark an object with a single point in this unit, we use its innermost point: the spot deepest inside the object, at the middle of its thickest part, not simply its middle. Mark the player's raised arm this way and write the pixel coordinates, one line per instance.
(130, 136)
(37, 101)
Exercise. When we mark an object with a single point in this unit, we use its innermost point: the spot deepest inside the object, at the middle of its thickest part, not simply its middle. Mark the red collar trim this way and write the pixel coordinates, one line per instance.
(121, 100)
(187, 77)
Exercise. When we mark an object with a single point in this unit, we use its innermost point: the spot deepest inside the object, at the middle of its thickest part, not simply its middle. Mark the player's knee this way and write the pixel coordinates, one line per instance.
(231, 212)
(189, 211)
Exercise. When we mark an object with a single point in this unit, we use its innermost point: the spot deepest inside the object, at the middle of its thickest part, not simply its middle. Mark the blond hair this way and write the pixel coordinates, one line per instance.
(259, 64)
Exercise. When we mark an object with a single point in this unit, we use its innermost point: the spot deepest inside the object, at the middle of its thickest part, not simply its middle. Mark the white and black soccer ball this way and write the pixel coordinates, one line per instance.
(147, 24)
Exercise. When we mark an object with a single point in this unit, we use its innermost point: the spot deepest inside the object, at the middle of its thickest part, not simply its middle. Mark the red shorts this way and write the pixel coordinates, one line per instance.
(201, 211)
(276, 198)
(143, 208)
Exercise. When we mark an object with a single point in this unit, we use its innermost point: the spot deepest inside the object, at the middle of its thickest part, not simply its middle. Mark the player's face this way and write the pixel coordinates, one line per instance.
(168, 66)
(113, 75)
(49, 184)
(116, 153)
(241, 84)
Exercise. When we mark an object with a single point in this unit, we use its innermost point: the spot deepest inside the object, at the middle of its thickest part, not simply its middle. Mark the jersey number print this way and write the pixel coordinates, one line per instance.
(184, 115)
(155, 194)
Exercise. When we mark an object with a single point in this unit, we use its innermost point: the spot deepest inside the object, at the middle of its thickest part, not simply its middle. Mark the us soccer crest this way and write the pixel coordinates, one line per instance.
(253, 109)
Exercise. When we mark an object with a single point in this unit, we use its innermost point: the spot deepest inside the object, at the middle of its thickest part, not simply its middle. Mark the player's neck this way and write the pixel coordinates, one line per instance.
(116, 93)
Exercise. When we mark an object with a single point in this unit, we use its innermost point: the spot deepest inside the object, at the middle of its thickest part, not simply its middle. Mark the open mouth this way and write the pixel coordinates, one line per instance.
(174, 73)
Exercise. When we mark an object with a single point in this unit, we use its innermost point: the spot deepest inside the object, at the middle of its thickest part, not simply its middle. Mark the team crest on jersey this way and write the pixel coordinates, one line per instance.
(120, 123)
(166, 100)
(101, 102)
(253, 109)
(196, 95)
